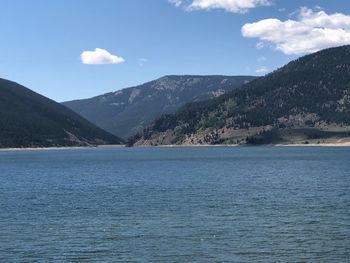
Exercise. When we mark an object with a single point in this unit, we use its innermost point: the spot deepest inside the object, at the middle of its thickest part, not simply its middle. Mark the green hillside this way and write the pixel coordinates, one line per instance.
(28, 119)
(312, 92)
(127, 111)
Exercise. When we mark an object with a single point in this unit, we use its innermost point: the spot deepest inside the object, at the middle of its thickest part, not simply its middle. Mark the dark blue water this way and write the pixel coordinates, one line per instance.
(175, 205)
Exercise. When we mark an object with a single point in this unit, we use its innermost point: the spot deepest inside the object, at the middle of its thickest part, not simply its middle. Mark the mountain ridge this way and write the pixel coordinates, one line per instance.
(28, 119)
(310, 92)
(126, 111)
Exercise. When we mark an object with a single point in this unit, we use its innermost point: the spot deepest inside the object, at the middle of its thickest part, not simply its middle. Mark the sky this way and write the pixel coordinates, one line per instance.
(77, 49)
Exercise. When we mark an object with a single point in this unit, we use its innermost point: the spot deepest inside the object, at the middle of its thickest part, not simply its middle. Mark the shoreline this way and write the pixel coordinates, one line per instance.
(345, 144)
(340, 144)
(61, 148)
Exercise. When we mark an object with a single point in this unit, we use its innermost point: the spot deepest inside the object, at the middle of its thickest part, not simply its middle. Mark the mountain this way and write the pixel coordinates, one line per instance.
(127, 111)
(28, 119)
(308, 100)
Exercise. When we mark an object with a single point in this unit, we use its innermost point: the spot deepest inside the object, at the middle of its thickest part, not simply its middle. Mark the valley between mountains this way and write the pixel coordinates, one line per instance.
(304, 102)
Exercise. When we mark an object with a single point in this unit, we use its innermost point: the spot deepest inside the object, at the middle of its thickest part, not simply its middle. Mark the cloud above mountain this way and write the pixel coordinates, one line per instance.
(100, 56)
(262, 70)
(234, 6)
(310, 32)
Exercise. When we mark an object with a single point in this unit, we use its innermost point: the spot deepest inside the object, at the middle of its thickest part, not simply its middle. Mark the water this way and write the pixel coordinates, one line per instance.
(175, 205)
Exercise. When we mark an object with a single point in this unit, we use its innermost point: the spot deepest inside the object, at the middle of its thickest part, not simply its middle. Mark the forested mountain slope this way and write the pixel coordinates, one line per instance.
(127, 111)
(28, 119)
(308, 99)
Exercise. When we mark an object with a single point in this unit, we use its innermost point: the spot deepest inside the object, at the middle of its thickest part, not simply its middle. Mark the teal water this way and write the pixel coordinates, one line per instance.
(175, 205)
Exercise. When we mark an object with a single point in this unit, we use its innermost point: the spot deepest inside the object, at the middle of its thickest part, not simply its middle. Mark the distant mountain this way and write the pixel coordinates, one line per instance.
(127, 111)
(306, 101)
(28, 119)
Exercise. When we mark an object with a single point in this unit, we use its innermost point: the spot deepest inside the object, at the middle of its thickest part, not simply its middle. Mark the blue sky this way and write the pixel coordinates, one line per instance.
(42, 41)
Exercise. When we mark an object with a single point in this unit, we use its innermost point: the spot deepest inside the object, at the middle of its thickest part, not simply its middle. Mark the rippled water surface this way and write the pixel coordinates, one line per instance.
(175, 205)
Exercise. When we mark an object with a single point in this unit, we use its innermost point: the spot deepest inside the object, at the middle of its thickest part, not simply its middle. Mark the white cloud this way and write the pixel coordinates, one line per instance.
(311, 32)
(100, 56)
(260, 45)
(262, 70)
(234, 6)
(175, 2)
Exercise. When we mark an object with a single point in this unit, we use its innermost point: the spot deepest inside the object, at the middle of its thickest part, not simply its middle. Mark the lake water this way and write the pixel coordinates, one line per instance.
(175, 205)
